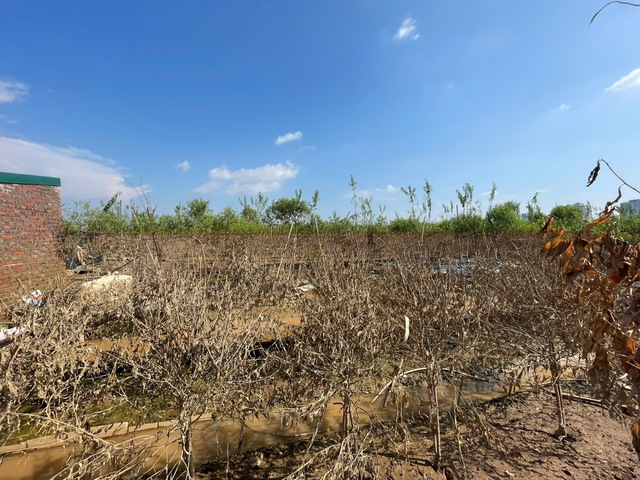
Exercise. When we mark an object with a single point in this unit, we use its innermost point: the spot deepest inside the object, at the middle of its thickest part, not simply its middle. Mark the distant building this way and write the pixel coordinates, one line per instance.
(631, 207)
(583, 208)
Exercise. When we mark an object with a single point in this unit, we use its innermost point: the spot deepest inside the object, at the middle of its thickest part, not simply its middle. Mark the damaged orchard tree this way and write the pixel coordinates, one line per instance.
(535, 311)
(603, 270)
(340, 352)
(54, 383)
(192, 354)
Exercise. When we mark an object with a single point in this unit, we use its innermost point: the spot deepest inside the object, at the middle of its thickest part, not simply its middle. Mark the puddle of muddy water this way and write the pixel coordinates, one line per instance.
(158, 443)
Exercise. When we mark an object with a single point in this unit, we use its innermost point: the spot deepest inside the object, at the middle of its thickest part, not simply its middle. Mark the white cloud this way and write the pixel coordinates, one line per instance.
(376, 193)
(82, 153)
(12, 90)
(249, 181)
(184, 166)
(561, 108)
(288, 137)
(84, 174)
(407, 31)
(308, 148)
(632, 80)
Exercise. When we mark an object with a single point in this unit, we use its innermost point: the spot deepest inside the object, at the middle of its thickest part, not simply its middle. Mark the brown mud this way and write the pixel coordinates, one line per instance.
(520, 444)
(158, 444)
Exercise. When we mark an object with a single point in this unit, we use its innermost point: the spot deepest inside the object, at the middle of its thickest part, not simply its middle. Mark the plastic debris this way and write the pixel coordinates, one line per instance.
(7, 334)
(307, 287)
(34, 299)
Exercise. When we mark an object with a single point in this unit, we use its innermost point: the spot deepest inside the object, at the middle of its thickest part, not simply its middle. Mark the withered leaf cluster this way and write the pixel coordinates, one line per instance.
(604, 271)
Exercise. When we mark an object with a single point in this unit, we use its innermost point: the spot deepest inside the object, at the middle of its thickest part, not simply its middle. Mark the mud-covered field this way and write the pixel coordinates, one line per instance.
(519, 443)
(304, 342)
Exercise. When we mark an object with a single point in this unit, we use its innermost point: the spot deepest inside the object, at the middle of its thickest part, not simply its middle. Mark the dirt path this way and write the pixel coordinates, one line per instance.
(521, 446)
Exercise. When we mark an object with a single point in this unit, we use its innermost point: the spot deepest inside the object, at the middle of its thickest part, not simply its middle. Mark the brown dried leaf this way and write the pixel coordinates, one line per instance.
(594, 173)
(547, 228)
(601, 220)
(557, 245)
(599, 371)
(619, 274)
(609, 208)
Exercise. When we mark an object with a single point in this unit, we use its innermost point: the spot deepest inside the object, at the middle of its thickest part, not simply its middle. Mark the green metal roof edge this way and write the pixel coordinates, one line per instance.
(6, 177)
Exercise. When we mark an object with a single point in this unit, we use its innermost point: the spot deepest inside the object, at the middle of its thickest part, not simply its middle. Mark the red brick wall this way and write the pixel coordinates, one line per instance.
(30, 248)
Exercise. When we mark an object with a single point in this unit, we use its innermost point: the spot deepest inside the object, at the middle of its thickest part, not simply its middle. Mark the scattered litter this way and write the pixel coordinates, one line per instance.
(82, 262)
(6, 334)
(464, 270)
(34, 299)
(307, 287)
(406, 328)
(81, 254)
(77, 260)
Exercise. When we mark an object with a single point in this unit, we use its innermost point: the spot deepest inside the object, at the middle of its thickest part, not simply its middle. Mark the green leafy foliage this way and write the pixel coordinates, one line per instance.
(289, 210)
(405, 225)
(568, 217)
(260, 215)
(504, 217)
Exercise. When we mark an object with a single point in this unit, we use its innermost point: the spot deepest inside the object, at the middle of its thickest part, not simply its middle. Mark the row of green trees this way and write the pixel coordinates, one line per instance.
(260, 215)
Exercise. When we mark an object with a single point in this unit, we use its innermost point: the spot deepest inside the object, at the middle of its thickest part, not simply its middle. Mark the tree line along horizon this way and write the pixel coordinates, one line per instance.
(257, 214)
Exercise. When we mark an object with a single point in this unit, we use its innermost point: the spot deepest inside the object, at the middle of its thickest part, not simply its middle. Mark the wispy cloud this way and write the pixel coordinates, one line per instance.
(12, 90)
(376, 193)
(7, 120)
(184, 166)
(249, 181)
(632, 80)
(84, 174)
(407, 31)
(308, 148)
(561, 108)
(288, 137)
(388, 189)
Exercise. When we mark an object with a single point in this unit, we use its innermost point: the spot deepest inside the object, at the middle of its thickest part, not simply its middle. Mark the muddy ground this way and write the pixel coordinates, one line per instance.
(519, 444)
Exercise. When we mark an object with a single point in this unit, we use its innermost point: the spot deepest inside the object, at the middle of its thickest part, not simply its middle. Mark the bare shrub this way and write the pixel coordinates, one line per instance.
(193, 351)
(189, 339)
(54, 382)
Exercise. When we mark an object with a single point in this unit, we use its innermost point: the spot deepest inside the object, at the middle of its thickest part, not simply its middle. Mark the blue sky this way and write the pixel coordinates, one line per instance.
(223, 99)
